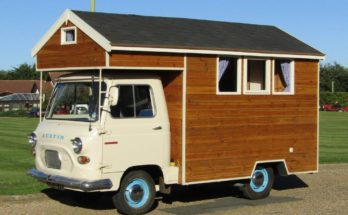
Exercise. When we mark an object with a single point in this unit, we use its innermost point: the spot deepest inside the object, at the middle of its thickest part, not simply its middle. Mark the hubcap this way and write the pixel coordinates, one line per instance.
(259, 180)
(137, 193)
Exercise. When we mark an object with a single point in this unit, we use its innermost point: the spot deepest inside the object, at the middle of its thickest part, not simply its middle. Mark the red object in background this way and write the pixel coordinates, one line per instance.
(329, 107)
(61, 110)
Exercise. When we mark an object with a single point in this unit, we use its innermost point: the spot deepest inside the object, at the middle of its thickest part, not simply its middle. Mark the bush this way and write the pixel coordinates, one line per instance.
(331, 98)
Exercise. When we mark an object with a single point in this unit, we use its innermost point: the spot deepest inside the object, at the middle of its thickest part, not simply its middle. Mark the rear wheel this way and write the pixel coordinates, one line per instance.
(136, 194)
(260, 184)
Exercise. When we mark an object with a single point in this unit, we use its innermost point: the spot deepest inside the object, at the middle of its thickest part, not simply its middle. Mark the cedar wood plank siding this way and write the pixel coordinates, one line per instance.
(86, 53)
(146, 60)
(226, 135)
(172, 85)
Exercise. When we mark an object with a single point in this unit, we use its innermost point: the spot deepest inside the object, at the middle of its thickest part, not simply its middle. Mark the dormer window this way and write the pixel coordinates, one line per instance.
(68, 36)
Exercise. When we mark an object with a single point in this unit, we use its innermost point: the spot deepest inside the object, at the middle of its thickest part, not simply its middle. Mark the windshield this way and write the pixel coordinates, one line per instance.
(75, 101)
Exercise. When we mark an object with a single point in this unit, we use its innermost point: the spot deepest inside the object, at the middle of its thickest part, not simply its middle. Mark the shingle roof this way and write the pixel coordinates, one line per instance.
(54, 76)
(17, 86)
(47, 86)
(23, 86)
(161, 32)
(20, 97)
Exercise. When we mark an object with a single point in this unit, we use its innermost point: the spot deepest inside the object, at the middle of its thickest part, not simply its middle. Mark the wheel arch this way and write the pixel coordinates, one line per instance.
(154, 171)
(279, 167)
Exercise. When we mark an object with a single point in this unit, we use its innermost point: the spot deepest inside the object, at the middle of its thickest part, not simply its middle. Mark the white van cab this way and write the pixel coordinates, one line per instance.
(121, 143)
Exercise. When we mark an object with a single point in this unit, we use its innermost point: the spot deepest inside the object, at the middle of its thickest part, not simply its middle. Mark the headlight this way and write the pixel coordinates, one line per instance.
(32, 139)
(77, 145)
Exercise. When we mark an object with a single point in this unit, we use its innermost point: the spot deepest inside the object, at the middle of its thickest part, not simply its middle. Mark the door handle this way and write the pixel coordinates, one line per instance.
(157, 128)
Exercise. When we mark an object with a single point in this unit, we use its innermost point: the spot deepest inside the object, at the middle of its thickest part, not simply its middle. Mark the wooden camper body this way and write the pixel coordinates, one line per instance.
(213, 137)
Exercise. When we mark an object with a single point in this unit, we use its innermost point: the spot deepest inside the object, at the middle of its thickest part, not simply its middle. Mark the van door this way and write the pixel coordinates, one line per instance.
(135, 132)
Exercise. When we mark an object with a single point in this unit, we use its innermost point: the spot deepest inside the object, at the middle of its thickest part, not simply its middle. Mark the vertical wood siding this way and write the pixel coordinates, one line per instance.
(226, 135)
(86, 53)
(172, 84)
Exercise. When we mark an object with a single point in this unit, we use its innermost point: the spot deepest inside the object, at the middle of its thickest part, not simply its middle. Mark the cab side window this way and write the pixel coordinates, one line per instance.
(134, 101)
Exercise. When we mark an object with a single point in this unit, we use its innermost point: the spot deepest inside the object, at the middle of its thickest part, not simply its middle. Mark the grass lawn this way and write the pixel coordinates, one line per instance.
(333, 137)
(15, 156)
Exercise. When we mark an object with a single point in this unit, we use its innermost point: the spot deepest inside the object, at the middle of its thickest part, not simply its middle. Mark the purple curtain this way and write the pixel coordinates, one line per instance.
(286, 74)
(223, 65)
(70, 36)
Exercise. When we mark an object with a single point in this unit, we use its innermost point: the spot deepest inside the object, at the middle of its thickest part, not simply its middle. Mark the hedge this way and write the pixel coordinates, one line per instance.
(15, 113)
(331, 98)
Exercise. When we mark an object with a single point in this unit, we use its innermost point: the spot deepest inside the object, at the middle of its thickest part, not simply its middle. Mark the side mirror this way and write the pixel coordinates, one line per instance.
(113, 96)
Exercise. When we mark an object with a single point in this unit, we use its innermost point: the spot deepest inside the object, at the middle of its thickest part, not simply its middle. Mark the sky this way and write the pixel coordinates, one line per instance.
(323, 24)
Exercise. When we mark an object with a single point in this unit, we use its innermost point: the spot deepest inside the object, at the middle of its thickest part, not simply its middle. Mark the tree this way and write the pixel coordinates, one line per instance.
(333, 73)
(22, 72)
(3, 75)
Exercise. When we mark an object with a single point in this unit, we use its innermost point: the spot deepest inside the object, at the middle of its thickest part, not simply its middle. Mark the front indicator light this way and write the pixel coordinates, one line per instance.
(83, 159)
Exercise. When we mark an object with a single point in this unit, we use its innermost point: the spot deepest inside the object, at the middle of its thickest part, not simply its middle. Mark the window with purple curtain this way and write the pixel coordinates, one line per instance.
(286, 70)
(223, 65)
(227, 75)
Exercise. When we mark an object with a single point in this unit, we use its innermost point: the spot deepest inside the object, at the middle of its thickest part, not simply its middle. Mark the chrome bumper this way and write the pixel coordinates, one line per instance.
(63, 182)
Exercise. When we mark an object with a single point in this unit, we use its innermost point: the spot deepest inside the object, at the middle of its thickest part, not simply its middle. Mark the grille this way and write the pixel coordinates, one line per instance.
(52, 159)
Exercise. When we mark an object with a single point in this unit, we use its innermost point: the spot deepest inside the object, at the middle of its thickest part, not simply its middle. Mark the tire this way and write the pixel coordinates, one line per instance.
(136, 194)
(260, 185)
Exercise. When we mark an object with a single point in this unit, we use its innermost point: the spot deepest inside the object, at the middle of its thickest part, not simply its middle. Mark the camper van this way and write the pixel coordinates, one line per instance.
(150, 102)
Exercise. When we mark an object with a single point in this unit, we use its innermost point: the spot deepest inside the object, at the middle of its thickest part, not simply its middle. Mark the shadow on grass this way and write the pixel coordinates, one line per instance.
(223, 194)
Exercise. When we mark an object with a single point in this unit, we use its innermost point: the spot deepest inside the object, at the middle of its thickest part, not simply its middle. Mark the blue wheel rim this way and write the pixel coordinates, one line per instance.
(137, 187)
(259, 180)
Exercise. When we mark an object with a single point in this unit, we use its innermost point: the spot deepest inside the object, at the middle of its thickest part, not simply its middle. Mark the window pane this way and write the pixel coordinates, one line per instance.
(75, 101)
(125, 105)
(228, 75)
(256, 75)
(143, 102)
(282, 76)
(70, 35)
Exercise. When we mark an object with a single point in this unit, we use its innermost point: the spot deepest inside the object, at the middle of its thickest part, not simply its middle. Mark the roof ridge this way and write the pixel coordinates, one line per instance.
(177, 18)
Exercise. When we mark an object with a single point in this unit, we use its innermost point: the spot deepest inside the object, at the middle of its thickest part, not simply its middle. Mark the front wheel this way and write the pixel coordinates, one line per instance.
(260, 184)
(136, 194)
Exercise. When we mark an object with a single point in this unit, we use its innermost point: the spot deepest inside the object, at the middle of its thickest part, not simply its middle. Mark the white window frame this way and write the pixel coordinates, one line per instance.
(239, 76)
(267, 90)
(292, 78)
(63, 35)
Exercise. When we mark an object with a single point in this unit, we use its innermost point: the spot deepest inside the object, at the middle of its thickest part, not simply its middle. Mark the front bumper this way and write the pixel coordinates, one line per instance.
(64, 182)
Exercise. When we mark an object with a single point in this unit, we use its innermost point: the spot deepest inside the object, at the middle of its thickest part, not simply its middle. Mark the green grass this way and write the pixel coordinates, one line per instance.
(15, 156)
(333, 137)
(16, 159)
